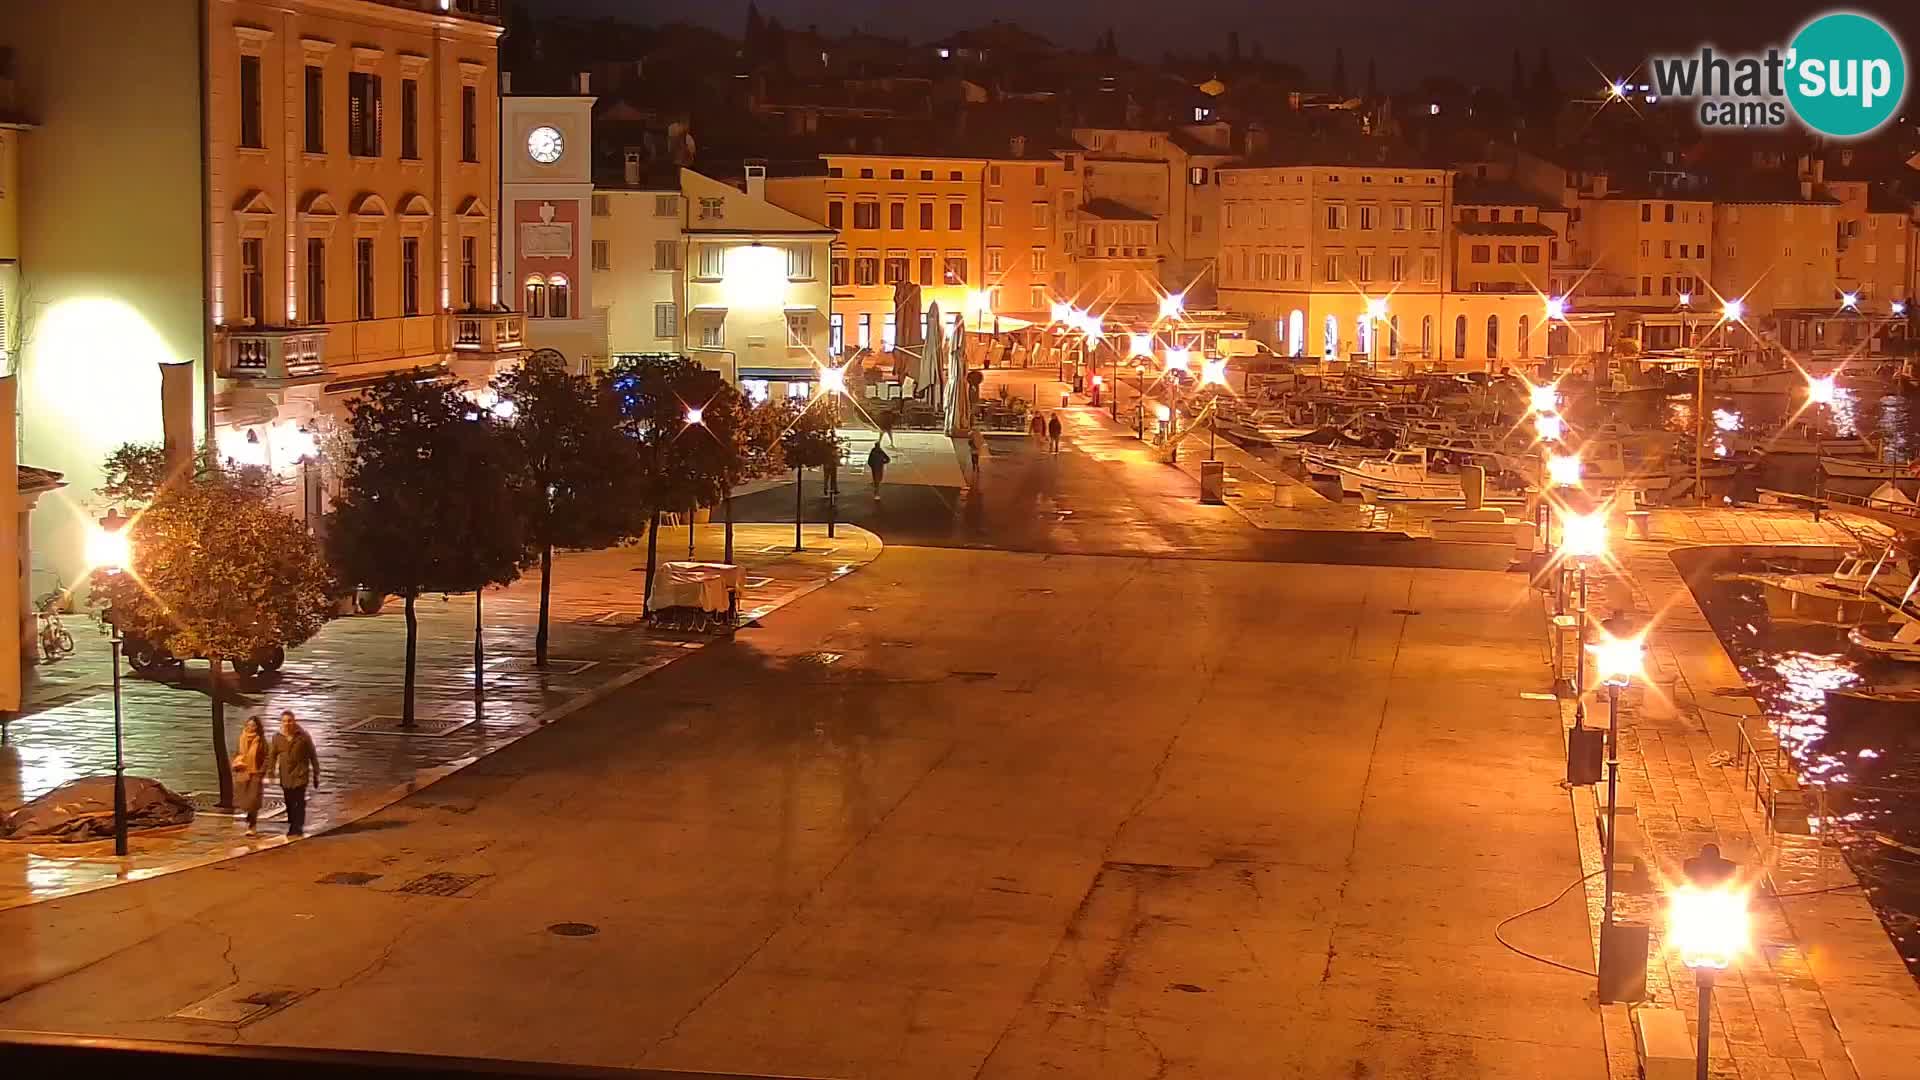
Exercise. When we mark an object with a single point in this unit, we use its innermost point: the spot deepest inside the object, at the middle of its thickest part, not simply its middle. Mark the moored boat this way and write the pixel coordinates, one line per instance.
(1863, 468)
(1837, 597)
(1856, 704)
(1889, 640)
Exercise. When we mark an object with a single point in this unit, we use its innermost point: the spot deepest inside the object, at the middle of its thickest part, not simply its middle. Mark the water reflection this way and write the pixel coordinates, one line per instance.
(1870, 771)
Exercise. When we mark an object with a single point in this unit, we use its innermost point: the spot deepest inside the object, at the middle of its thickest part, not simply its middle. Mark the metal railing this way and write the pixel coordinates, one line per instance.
(1769, 773)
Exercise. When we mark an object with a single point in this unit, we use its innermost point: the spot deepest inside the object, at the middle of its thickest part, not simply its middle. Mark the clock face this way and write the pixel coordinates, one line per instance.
(544, 145)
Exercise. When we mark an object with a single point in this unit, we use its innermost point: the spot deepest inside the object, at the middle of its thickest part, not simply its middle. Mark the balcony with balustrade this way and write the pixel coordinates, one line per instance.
(486, 341)
(273, 355)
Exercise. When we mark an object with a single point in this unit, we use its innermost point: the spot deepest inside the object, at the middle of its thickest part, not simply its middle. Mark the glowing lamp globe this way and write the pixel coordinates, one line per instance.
(1213, 371)
(1139, 344)
(1686, 299)
(693, 416)
(109, 548)
(1058, 312)
(1549, 427)
(1618, 660)
(1162, 413)
(1556, 307)
(1377, 308)
(1850, 301)
(1584, 536)
(1820, 390)
(1178, 360)
(1731, 310)
(1898, 307)
(833, 380)
(1173, 305)
(1708, 927)
(1544, 399)
(1563, 470)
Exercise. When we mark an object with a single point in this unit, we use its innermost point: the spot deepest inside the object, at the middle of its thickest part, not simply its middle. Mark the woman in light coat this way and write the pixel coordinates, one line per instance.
(250, 771)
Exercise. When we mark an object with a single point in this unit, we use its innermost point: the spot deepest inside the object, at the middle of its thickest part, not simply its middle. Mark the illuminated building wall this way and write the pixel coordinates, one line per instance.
(641, 282)
(1172, 176)
(1776, 254)
(755, 280)
(1874, 245)
(1645, 251)
(1027, 210)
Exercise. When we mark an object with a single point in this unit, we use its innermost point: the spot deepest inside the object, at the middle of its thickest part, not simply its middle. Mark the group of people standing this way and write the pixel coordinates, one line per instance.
(1046, 428)
(291, 754)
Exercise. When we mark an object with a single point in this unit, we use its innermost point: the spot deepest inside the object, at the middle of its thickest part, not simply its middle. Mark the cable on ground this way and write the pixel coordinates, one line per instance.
(1561, 895)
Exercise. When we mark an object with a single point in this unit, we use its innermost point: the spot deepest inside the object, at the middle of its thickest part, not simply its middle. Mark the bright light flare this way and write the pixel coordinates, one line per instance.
(1162, 413)
(1548, 427)
(109, 548)
(1376, 308)
(1584, 536)
(833, 380)
(1213, 371)
(1179, 359)
(1173, 305)
(1556, 307)
(694, 415)
(1725, 420)
(1543, 399)
(1563, 470)
(1618, 660)
(1139, 344)
(1708, 927)
(1850, 301)
(1057, 312)
(1820, 390)
(1899, 308)
(1732, 309)
(1686, 299)
(1617, 90)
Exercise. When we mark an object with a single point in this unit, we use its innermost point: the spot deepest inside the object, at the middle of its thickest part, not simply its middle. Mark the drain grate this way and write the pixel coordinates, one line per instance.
(441, 883)
(573, 929)
(239, 1005)
(1404, 611)
(819, 659)
(207, 802)
(973, 676)
(523, 665)
(430, 727)
(897, 644)
(347, 877)
(862, 607)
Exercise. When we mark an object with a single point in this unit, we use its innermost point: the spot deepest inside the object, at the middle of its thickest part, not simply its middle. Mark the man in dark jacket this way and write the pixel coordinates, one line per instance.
(299, 765)
(1053, 431)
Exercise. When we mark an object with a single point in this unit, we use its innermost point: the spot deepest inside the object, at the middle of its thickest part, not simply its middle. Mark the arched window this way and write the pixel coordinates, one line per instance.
(1460, 337)
(1330, 338)
(536, 298)
(558, 298)
(1493, 337)
(1297, 333)
(1426, 337)
(1393, 336)
(1524, 350)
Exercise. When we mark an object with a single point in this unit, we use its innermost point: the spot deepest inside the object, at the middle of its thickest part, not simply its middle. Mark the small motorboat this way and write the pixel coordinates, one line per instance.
(1838, 597)
(1899, 640)
(1865, 469)
(1865, 704)
(1404, 476)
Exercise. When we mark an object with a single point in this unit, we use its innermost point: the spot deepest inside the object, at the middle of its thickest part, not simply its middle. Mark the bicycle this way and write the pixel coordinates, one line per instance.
(55, 641)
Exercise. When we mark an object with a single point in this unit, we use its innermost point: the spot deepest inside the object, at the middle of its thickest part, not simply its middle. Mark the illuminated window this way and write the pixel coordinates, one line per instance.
(535, 297)
(800, 262)
(1525, 348)
(666, 254)
(666, 320)
(558, 297)
(252, 287)
(866, 214)
(410, 275)
(469, 270)
(713, 208)
(1493, 337)
(713, 262)
(251, 134)
(956, 268)
(866, 268)
(799, 330)
(994, 261)
(886, 332)
(364, 108)
(865, 338)
(363, 277)
(836, 333)
(1426, 336)
(713, 334)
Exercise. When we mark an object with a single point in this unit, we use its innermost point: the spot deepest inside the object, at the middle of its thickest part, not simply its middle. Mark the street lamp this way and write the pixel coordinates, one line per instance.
(1563, 470)
(1583, 537)
(111, 549)
(1707, 924)
(1618, 662)
(1376, 314)
(833, 382)
(694, 416)
(1173, 305)
(1556, 308)
(1549, 428)
(1544, 399)
(1850, 301)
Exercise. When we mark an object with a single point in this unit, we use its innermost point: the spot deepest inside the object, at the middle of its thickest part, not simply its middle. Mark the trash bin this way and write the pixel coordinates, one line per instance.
(1213, 482)
(1640, 524)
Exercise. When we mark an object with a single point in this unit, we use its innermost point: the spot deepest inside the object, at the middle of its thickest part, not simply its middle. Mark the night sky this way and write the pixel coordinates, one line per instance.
(1471, 40)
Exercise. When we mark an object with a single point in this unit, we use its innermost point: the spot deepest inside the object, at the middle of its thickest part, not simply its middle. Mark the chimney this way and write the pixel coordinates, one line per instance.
(1806, 188)
(631, 169)
(757, 181)
(506, 83)
(585, 85)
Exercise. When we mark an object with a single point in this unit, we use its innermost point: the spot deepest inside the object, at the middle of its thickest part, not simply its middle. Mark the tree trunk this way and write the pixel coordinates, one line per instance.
(799, 482)
(222, 764)
(653, 550)
(406, 693)
(728, 502)
(546, 587)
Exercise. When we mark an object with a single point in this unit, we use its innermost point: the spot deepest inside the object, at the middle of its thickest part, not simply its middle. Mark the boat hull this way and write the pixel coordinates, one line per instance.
(1794, 605)
(1872, 706)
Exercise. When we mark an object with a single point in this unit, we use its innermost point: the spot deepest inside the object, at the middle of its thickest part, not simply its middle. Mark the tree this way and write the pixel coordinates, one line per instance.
(683, 462)
(216, 572)
(1373, 83)
(1519, 90)
(1340, 72)
(577, 483)
(1546, 89)
(430, 502)
(810, 442)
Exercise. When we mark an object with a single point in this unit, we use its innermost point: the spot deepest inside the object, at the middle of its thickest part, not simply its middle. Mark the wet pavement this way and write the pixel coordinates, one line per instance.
(345, 685)
(964, 814)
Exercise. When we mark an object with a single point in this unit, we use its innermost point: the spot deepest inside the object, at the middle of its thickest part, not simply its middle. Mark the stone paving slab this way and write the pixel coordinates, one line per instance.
(352, 673)
(1823, 992)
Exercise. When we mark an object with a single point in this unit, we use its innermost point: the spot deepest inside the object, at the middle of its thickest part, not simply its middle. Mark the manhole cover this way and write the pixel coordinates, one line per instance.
(423, 726)
(207, 802)
(441, 883)
(240, 1005)
(573, 929)
(347, 877)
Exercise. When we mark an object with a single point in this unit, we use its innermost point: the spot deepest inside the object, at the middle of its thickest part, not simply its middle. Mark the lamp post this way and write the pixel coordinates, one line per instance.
(1582, 537)
(833, 380)
(1707, 925)
(1617, 661)
(1376, 314)
(1699, 402)
(109, 548)
(694, 417)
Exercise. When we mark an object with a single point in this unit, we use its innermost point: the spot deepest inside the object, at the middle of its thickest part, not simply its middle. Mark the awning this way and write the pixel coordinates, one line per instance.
(805, 374)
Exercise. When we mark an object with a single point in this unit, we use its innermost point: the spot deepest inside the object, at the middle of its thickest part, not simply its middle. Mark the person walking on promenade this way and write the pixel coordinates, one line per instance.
(977, 446)
(1053, 431)
(1038, 428)
(299, 765)
(877, 465)
(886, 421)
(250, 771)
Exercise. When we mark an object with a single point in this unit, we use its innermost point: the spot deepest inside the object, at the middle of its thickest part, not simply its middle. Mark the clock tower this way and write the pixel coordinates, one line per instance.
(546, 180)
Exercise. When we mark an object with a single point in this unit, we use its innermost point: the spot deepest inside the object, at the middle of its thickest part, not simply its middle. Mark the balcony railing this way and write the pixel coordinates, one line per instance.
(256, 352)
(488, 331)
